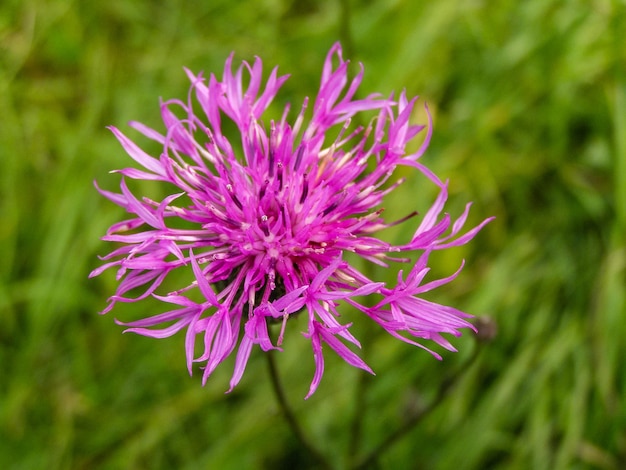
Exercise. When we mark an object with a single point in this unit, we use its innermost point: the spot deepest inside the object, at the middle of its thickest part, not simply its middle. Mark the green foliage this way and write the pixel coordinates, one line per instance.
(529, 100)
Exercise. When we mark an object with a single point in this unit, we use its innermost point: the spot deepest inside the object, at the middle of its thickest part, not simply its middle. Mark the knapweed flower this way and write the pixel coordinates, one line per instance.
(260, 220)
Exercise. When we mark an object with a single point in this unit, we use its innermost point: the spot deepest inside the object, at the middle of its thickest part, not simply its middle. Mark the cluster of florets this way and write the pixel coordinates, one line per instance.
(269, 215)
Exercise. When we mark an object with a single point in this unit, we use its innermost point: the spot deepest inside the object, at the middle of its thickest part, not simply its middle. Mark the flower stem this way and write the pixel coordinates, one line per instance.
(289, 415)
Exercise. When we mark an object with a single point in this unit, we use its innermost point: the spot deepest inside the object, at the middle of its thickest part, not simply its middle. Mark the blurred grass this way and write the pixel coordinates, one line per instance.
(529, 101)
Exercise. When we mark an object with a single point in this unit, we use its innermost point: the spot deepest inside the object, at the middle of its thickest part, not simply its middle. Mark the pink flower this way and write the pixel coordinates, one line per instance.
(262, 220)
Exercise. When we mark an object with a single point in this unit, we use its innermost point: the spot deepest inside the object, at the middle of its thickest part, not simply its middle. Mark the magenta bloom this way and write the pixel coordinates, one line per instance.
(261, 220)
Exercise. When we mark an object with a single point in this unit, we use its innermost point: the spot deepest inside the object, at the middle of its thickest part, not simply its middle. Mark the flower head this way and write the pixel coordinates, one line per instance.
(261, 221)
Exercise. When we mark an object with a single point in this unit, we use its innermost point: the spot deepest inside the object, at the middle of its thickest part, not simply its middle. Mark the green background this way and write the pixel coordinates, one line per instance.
(529, 101)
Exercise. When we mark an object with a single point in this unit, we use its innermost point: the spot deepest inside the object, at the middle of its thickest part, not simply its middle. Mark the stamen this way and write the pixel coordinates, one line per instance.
(280, 176)
(305, 188)
(329, 209)
(296, 165)
(233, 196)
(264, 226)
(271, 163)
(403, 219)
(272, 151)
(263, 189)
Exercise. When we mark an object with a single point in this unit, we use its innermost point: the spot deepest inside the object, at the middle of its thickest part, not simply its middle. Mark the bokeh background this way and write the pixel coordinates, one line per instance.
(529, 102)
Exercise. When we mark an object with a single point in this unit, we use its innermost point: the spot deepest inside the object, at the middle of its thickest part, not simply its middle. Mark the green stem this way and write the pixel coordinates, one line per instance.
(290, 416)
